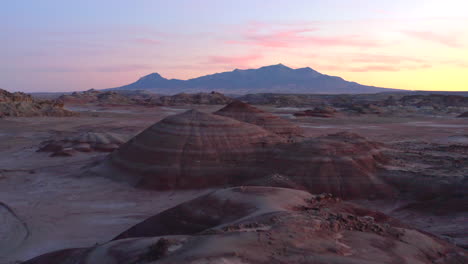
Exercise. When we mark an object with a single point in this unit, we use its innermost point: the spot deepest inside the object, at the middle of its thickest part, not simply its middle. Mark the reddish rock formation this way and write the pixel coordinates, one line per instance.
(343, 164)
(266, 225)
(21, 104)
(199, 150)
(246, 113)
(323, 111)
(192, 150)
(86, 142)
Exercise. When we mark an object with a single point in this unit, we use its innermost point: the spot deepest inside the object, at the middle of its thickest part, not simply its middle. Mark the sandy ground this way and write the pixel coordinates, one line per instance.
(61, 209)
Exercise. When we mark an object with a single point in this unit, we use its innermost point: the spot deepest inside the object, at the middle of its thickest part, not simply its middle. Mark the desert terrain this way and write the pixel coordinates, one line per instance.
(54, 199)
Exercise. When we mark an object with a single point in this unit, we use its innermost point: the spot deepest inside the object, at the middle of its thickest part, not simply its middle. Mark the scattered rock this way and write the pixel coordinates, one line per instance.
(86, 142)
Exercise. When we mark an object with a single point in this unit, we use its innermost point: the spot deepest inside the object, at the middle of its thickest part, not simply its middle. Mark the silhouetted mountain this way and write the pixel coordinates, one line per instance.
(275, 78)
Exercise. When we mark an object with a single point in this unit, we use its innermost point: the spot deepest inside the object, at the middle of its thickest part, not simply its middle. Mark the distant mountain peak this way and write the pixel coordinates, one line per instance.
(276, 66)
(277, 78)
(152, 76)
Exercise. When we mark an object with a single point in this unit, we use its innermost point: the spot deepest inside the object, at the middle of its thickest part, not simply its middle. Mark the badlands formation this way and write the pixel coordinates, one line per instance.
(200, 150)
(21, 104)
(376, 181)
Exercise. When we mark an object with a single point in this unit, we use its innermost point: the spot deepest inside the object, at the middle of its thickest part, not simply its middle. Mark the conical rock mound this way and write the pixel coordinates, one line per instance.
(246, 113)
(193, 150)
(344, 164)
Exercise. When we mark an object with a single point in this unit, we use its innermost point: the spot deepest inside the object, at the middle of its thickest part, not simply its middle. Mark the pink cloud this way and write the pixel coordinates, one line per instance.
(262, 35)
(449, 40)
(148, 41)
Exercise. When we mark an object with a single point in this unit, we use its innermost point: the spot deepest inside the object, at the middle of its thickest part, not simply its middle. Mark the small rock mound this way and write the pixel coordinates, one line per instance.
(213, 98)
(96, 97)
(365, 109)
(87, 142)
(246, 113)
(344, 164)
(266, 225)
(24, 105)
(322, 111)
(192, 150)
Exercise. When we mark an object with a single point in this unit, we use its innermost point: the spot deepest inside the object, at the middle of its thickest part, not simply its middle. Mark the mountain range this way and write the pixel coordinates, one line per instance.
(269, 79)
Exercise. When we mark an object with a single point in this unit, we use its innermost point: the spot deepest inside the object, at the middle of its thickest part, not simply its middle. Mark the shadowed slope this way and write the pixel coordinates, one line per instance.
(259, 225)
(343, 164)
(13, 231)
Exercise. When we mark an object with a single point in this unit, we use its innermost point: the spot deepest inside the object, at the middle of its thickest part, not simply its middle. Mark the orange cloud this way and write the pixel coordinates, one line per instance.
(380, 58)
(374, 68)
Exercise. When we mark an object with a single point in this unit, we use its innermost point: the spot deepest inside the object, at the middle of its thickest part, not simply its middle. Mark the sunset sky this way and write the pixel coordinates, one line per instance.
(60, 45)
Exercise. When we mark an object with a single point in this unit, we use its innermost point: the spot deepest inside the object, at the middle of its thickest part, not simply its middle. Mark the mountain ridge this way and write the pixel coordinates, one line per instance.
(273, 78)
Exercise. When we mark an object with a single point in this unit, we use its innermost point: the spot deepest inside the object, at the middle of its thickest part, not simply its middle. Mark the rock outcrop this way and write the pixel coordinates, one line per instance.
(86, 142)
(192, 150)
(246, 113)
(24, 105)
(465, 115)
(266, 225)
(364, 109)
